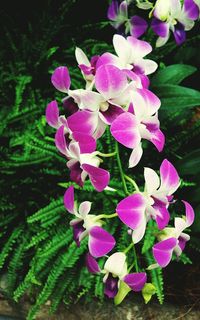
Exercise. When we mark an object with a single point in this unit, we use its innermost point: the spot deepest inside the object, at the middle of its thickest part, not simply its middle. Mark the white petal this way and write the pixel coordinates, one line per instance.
(115, 263)
(149, 66)
(161, 41)
(138, 233)
(135, 156)
(84, 208)
(86, 99)
(152, 181)
(162, 9)
(122, 48)
(180, 224)
(81, 57)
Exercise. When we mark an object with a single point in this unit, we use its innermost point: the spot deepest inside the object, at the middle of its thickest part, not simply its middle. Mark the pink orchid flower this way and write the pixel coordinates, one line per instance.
(140, 122)
(64, 134)
(100, 242)
(116, 271)
(118, 15)
(137, 209)
(130, 56)
(173, 238)
(101, 108)
(172, 15)
(87, 67)
(82, 164)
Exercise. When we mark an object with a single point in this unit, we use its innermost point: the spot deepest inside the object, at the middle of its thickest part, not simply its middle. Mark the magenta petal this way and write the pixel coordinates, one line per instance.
(78, 229)
(107, 58)
(111, 286)
(160, 28)
(69, 199)
(87, 143)
(61, 79)
(162, 218)
(189, 213)
(136, 281)
(191, 9)
(52, 114)
(100, 242)
(111, 114)
(181, 243)
(138, 26)
(179, 34)
(83, 122)
(144, 80)
(85, 69)
(98, 177)
(110, 81)
(158, 139)
(162, 251)
(125, 130)
(169, 176)
(60, 140)
(75, 173)
(91, 264)
(70, 106)
(131, 210)
(113, 10)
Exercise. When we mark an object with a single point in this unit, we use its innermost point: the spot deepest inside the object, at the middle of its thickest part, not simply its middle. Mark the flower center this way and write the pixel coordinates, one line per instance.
(104, 106)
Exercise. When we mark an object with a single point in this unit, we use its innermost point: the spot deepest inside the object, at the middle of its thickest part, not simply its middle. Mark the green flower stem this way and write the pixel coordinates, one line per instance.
(132, 182)
(135, 255)
(135, 258)
(120, 168)
(106, 216)
(106, 155)
(129, 247)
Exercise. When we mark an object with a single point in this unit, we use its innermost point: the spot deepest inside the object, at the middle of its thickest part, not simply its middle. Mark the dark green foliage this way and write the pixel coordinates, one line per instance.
(156, 277)
(38, 254)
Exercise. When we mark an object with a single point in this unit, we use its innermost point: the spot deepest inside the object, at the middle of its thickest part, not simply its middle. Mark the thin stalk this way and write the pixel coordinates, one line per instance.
(107, 216)
(135, 258)
(132, 182)
(106, 155)
(129, 247)
(120, 168)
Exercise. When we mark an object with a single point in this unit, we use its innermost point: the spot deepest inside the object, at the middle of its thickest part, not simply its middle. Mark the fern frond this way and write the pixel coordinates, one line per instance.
(156, 277)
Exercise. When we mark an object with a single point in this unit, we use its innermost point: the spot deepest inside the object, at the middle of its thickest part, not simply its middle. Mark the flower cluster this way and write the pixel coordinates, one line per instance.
(167, 15)
(116, 96)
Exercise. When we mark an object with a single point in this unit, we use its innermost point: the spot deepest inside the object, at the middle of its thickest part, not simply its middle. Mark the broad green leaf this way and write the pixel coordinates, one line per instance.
(190, 164)
(173, 74)
(176, 99)
(148, 291)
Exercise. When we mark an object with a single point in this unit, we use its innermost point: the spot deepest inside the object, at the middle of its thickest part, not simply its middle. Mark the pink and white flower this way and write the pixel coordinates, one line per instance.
(100, 242)
(87, 67)
(137, 209)
(82, 164)
(64, 135)
(130, 56)
(101, 108)
(140, 122)
(118, 15)
(53, 117)
(171, 15)
(116, 271)
(173, 238)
